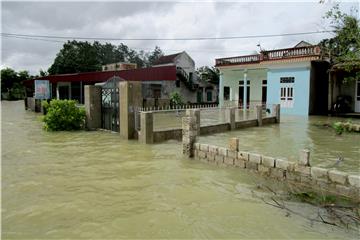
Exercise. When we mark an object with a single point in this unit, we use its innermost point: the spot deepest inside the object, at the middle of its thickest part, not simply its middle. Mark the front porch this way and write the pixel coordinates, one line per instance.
(243, 88)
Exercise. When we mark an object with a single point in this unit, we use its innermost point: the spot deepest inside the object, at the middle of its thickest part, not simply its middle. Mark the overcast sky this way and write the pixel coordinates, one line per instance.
(158, 20)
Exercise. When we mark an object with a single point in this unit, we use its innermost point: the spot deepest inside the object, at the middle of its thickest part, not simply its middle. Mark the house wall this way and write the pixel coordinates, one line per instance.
(301, 89)
(167, 87)
(184, 61)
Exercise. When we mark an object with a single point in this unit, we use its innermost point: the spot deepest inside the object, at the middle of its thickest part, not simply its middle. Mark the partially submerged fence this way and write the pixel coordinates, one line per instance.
(301, 173)
(209, 120)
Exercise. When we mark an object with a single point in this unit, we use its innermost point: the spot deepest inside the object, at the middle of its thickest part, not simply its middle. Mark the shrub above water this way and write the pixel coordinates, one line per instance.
(64, 115)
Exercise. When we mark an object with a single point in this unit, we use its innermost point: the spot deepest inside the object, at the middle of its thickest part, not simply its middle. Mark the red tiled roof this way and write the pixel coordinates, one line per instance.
(166, 59)
(166, 73)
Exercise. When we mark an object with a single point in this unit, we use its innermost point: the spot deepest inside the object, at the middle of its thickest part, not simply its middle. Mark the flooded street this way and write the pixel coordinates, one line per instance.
(95, 185)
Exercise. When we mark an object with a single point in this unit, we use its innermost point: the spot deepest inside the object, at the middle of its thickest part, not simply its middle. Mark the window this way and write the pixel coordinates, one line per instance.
(287, 80)
(226, 93)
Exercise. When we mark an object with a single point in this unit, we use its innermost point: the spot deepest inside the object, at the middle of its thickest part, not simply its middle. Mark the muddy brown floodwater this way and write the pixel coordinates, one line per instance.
(95, 185)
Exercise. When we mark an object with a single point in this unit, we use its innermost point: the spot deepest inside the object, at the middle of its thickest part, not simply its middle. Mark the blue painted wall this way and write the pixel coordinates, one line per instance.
(301, 89)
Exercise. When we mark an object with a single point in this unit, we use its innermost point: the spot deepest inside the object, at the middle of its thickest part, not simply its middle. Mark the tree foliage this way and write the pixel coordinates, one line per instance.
(343, 50)
(11, 83)
(64, 115)
(208, 74)
(79, 56)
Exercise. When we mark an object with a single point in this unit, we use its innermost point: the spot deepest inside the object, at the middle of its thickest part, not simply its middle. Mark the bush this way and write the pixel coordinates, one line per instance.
(64, 115)
(176, 99)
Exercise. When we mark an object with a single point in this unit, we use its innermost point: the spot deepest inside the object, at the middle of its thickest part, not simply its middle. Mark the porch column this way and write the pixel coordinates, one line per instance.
(245, 88)
(221, 90)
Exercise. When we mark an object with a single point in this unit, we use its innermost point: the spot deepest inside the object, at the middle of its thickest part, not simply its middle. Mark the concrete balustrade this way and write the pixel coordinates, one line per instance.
(299, 173)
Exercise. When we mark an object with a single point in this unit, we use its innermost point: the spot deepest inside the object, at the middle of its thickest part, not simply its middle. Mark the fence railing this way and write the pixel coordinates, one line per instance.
(270, 55)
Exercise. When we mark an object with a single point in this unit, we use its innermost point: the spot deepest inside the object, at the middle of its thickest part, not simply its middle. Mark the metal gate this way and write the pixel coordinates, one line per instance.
(110, 105)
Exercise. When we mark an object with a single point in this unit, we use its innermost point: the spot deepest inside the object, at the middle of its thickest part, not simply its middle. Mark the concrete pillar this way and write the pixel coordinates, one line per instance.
(130, 99)
(93, 106)
(276, 112)
(230, 113)
(189, 133)
(245, 90)
(259, 114)
(304, 159)
(221, 90)
(147, 127)
(195, 113)
(234, 144)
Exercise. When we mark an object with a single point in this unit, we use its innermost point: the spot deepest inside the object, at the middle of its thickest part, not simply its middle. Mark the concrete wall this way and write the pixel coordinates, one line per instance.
(163, 135)
(301, 173)
(301, 89)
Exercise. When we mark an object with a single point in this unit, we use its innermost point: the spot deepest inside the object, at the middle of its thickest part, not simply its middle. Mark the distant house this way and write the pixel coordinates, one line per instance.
(71, 86)
(187, 83)
(294, 77)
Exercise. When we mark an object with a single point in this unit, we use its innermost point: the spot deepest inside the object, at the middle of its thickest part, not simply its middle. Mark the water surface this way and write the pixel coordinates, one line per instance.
(95, 185)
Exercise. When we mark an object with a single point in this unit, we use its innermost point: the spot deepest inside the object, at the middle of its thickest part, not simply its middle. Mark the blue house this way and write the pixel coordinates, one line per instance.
(296, 78)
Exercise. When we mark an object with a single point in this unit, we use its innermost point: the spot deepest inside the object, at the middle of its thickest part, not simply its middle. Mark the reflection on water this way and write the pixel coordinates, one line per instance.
(95, 185)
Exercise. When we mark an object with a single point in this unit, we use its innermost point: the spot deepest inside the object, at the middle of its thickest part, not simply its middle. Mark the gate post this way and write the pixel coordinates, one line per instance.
(93, 106)
(147, 128)
(258, 110)
(189, 133)
(276, 112)
(194, 113)
(130, 98)
(230, 115)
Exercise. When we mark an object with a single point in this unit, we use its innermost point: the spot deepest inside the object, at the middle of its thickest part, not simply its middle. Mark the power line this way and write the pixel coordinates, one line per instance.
(30, 38)
(136, 48)
(167, 39)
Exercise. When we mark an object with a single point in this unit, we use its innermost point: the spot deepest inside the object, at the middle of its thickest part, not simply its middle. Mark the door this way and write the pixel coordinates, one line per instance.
(63, 92)
(357, 96)
(287, 96)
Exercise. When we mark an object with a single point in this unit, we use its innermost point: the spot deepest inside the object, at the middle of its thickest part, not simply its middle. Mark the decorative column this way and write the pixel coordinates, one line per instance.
(221, 90)
(245, 89)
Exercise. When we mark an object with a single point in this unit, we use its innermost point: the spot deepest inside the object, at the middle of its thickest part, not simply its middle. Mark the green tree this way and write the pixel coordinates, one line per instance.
(8, 78)
(77, 56)
(154, 56)
(343, 50)
(11, 84)
(208, 74)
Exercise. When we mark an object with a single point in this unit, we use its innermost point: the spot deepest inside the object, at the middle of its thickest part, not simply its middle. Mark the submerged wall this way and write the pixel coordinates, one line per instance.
(301, 174)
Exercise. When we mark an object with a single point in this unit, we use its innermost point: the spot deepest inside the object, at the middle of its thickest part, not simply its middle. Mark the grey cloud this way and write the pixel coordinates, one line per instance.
(151, 19)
